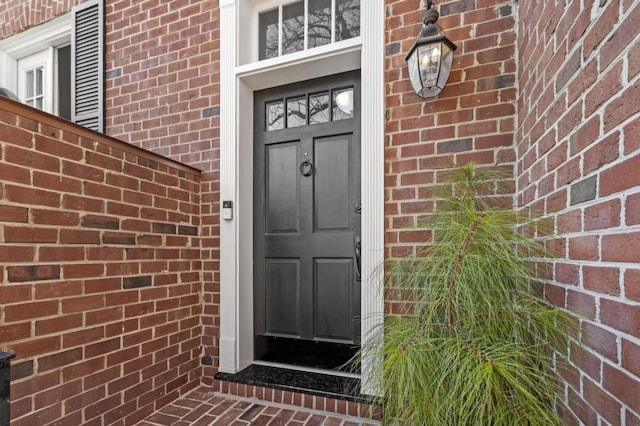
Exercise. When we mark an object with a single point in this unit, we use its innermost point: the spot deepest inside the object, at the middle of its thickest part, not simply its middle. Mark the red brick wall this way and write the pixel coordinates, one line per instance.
(100, 289)
(162, 94)
(578, 146)
(473, 119)
(575, 129)
(19, 15)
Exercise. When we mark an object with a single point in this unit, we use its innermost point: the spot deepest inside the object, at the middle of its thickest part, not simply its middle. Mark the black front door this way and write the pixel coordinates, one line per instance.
(307, 222)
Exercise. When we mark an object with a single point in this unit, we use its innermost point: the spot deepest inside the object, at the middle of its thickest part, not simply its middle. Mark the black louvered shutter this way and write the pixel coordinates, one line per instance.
(87, 65)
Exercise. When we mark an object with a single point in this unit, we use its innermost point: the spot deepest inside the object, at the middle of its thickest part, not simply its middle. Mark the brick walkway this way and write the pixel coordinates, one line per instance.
(203, 408)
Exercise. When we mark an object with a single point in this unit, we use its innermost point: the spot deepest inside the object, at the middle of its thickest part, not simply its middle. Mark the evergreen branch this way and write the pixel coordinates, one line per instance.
(484, 356)
(458, 264)
(481, 346)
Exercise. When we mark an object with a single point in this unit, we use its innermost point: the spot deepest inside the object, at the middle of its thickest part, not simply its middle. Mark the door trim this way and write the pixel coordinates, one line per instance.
(236, 180)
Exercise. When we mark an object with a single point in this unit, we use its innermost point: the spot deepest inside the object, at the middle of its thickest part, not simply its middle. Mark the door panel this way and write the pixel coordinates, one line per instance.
(283, 188)
(333, 297)
(306, 224)
(332, 191)
(282, 284)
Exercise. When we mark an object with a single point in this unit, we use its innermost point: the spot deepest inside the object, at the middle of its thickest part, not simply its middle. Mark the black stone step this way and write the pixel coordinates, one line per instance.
(308, 382)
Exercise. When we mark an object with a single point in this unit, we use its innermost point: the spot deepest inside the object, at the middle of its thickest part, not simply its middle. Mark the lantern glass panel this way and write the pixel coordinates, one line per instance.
(446, 64)
(414, 71)
(429, 56)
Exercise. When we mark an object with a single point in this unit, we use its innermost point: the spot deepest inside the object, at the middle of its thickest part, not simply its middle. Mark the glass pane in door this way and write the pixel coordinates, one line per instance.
(275, 115)
(319, 108)
(297, 112)
(342, 104)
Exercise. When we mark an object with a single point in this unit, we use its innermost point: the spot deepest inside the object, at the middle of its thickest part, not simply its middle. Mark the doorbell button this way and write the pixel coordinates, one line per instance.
(227, 210)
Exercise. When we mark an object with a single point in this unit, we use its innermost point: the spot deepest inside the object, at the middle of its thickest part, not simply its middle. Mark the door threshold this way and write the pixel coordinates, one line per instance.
(300, 380)
(307, 369)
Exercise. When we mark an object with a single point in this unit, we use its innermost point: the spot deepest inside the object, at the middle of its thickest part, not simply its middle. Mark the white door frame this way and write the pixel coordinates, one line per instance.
(238, 81)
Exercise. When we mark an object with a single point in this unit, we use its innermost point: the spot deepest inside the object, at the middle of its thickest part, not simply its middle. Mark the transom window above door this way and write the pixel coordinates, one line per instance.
(305, 24)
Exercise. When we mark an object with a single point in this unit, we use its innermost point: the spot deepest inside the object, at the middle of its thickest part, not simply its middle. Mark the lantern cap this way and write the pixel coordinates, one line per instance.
(430, 33)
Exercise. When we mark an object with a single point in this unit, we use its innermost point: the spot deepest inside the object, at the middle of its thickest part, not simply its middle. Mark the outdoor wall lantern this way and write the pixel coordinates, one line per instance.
(430, 57)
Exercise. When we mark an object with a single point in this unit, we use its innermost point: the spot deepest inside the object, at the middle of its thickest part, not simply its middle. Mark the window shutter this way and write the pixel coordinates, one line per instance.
(87, 65)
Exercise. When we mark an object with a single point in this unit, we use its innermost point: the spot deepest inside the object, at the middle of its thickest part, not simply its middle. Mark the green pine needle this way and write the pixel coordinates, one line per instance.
(478, 346)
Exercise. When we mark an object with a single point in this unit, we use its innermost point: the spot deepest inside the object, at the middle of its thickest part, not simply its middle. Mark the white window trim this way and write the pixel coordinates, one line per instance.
(338, 57)
(237, 84)
(53, 33)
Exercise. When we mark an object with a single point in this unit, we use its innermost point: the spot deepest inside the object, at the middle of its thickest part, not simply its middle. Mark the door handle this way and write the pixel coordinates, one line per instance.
(357, 245)
(306, 168)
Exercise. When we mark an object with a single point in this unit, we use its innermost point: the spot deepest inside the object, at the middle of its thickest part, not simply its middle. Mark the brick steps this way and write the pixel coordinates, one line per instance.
(204, 407)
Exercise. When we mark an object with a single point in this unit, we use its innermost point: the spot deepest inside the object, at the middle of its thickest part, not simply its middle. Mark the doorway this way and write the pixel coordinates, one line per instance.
(307, 228)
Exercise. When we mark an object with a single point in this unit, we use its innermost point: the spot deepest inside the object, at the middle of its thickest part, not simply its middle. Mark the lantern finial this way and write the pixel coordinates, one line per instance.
(430, 15)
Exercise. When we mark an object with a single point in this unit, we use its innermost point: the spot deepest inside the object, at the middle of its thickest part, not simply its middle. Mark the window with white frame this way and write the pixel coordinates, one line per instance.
(33, 76)
(44, 80)
(305, 24)
(58, 66)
